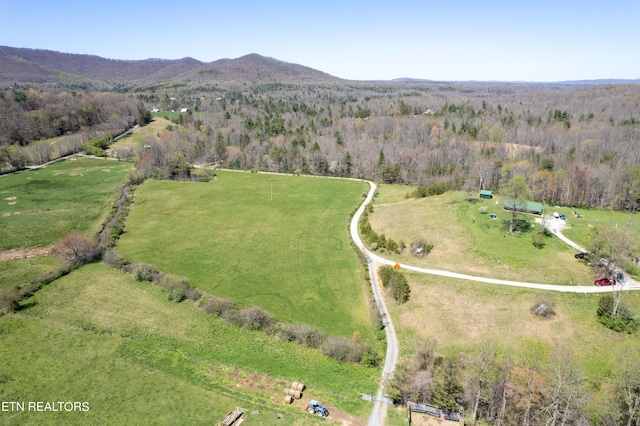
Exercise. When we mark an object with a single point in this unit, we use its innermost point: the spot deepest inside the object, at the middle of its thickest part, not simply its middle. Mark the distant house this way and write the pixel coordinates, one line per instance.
(525, 207)
(486, 194)
(184, 109)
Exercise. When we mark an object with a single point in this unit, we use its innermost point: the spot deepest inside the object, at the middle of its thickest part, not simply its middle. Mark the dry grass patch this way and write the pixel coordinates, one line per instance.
(408, 219)
(461, 315)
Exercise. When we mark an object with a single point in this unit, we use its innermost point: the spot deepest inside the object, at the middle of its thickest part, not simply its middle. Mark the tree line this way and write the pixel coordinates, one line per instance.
(533, 385)
(574, 145)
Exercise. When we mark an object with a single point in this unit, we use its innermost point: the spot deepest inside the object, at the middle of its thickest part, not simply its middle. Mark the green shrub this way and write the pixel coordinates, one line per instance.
(176, 295)
(177, 287)
(421, 248)
(217, 306)
(301, 333)
(143, 272)
(392, 245)
(623, 321)
(115, 260)
(9, 299)
(538, 240)
(98, 146)
(202, 175)
(395, 282)
(426, 191)
(254, 318)
(369, 357)
(29, 289)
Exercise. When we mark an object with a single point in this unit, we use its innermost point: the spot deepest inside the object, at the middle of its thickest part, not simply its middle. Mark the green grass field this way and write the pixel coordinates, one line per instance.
(290, 254)
(99, 336)
(20, 272)
(37, 207)
(468, 241)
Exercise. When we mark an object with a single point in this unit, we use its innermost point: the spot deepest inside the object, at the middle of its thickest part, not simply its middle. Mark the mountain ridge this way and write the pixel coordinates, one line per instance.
(24, 66)
(41, 67)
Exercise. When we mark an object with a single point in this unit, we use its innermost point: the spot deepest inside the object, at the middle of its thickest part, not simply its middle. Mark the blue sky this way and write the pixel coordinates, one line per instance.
(510, 40)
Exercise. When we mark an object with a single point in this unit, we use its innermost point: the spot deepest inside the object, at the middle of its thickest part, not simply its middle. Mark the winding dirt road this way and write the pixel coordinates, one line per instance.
(379, 412)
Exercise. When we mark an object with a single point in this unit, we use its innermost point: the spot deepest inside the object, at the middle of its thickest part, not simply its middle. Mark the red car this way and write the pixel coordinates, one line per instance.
(604, 281)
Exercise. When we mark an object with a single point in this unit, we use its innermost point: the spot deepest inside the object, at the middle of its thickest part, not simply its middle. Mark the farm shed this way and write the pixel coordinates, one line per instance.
(486, 194)
(527, 207)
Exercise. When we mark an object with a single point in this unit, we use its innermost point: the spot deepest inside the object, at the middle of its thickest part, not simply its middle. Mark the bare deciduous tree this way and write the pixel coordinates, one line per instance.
(75, 249)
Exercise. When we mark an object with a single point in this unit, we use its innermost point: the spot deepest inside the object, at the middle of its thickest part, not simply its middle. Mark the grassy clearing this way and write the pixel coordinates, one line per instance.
(578, 229)
(291, 255)
(129, 320)
(37, 207)
(460, 315)
(152, 131)
(20, 272)
(468, 241)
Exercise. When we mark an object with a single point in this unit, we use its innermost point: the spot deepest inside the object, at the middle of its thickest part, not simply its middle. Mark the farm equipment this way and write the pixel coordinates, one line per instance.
(315, 408)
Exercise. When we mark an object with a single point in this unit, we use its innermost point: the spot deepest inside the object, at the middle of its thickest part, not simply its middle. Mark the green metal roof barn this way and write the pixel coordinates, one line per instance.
(527, 207)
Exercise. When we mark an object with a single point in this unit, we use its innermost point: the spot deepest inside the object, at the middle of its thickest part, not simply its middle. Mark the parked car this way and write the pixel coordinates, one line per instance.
(563, 217)
(581, 255)
(604, 282)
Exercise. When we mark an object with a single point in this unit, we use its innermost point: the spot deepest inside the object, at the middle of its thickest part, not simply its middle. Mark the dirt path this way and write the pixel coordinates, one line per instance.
(25, 253)
(379, 411)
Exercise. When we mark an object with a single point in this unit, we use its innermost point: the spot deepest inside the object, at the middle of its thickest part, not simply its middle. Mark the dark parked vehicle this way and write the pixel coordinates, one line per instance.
(581, 255)
(604, 281)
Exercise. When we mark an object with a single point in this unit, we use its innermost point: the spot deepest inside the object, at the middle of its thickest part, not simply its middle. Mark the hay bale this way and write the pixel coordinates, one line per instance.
(288, 399)
(299, 386)
(294, 393)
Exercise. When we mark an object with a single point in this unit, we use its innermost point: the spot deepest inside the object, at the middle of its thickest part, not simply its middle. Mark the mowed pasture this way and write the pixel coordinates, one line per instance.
(97, 335)
(274, 241)
(37, 207)
(468, 241)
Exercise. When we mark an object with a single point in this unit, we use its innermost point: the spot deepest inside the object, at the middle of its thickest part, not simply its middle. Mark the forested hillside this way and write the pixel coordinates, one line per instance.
(577, 145)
